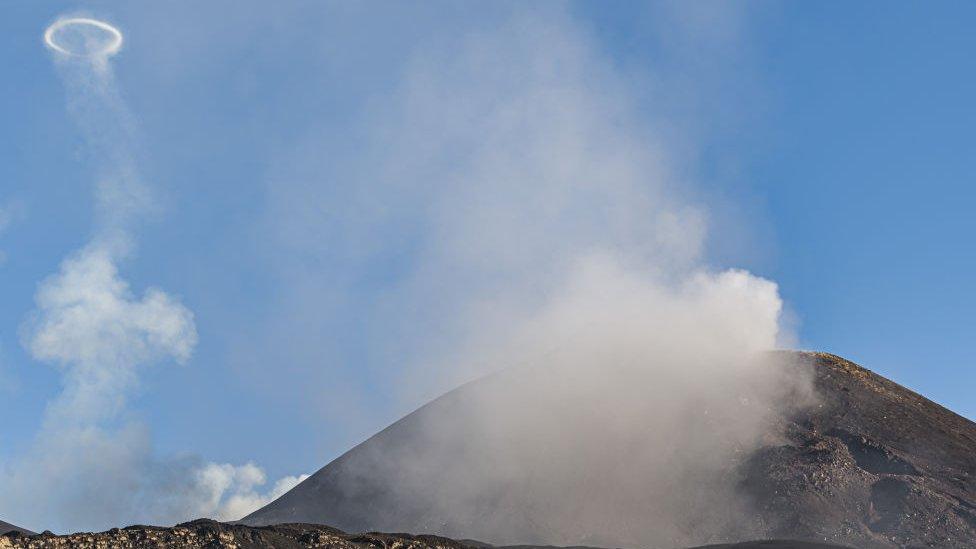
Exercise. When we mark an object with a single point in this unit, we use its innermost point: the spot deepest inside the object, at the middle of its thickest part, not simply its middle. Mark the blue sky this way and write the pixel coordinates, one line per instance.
(829, 143)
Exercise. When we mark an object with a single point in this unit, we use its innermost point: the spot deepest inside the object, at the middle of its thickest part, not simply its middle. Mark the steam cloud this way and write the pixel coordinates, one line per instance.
(240, 483)
(90, 466)
(552, 236)
(524, 217)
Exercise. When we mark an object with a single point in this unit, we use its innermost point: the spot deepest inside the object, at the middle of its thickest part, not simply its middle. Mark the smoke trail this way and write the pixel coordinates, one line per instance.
(91, 467)
(532, 222)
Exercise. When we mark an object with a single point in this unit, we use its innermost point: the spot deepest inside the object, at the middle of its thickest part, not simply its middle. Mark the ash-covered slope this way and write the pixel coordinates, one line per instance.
(7, 527)
(874, 465)
(869, 464)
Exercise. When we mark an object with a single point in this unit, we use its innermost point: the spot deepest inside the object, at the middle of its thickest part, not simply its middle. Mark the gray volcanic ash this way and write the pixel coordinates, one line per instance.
(869, 464)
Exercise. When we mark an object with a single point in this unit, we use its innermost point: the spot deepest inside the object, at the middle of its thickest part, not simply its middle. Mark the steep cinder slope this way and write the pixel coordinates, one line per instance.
(7, 527)
(871, 464)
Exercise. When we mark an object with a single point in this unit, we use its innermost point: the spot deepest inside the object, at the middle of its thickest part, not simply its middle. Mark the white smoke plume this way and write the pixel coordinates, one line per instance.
(518, 201)
(232, 489)
(534, 221)
(502, 161)
(91, 466)
(88, 322)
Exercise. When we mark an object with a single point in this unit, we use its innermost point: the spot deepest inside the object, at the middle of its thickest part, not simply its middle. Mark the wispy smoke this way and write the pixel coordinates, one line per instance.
(91, 466)
(10, 212)
(516, 203)
(502, 160)
(88, 322)
(629, 404)
(528, 217)
(233, 489)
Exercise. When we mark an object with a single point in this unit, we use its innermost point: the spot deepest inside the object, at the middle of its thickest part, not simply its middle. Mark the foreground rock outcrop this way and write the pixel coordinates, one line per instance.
(868, 464)
(210, 534)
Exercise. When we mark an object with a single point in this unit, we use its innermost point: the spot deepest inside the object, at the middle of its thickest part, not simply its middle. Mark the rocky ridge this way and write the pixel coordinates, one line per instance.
(212, 535)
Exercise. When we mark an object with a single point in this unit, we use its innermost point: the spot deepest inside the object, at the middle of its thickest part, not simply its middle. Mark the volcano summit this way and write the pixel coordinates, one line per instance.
(861, 461)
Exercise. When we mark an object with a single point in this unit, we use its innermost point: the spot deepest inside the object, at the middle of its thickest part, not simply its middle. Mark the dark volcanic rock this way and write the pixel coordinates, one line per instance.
(7, 527)
(771, 544)
(870, 465)
(210, 534)
(874, 465)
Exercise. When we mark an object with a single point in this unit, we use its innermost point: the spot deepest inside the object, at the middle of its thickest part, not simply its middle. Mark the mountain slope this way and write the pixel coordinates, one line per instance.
(870, 464)
(7, 527)
(875, 465)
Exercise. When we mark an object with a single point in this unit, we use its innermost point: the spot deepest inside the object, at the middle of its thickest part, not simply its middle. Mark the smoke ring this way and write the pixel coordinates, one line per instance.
(111, 46)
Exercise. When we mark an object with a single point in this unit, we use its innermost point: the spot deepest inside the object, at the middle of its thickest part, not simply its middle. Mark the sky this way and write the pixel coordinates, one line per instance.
(305, 167)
